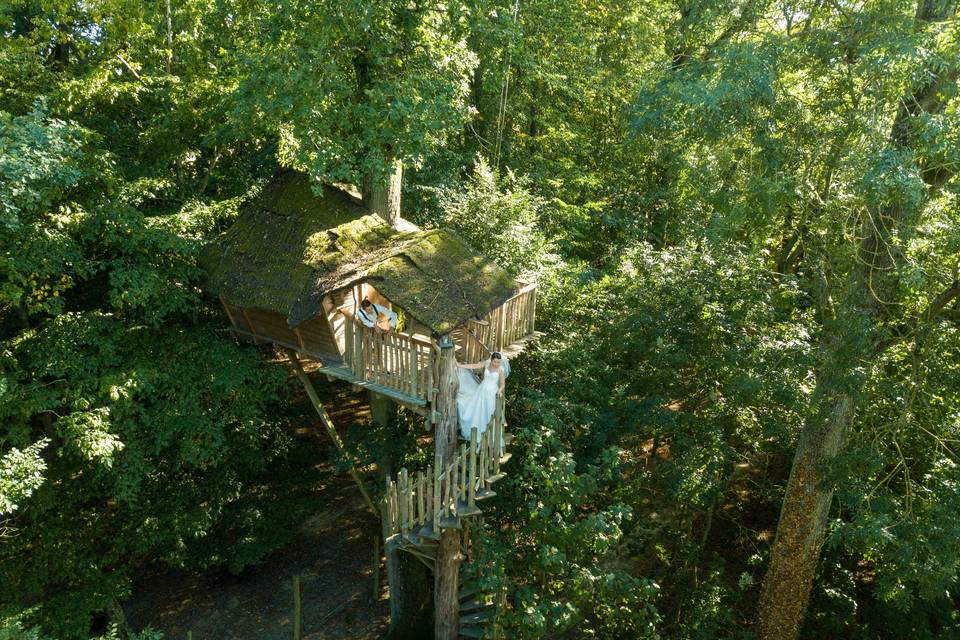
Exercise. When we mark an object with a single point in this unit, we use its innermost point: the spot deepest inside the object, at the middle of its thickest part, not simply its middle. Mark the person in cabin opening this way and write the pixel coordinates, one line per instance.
(380, 319)
(477, 401)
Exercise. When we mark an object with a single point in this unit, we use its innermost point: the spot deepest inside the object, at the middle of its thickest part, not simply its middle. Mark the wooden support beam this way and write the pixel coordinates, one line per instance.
(328, 423)
(253, 330)
(446, 573)
(226, 308)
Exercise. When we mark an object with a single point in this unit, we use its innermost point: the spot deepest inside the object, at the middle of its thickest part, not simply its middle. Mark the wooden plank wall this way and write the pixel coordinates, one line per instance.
(312, 337)
(316, 337)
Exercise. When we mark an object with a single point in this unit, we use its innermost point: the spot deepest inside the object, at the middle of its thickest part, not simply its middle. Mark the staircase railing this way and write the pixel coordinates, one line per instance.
(400, 361)
(420, 504)
(509, 323)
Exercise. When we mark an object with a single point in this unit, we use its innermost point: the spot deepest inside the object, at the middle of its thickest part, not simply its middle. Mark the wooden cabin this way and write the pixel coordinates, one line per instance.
(294, 267)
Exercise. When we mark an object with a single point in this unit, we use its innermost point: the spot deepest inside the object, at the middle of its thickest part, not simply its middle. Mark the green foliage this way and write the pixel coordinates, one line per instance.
(21, 473)
(133, 431)
(690, 184)
(555, 553)
(501, 218)
(12, 629)
(391, 85)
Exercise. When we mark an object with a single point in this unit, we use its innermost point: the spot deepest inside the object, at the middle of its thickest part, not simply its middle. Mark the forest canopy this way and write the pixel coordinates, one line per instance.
(743, 417)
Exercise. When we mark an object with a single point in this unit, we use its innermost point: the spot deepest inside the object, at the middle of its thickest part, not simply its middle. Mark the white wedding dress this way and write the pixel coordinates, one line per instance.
(477, 401)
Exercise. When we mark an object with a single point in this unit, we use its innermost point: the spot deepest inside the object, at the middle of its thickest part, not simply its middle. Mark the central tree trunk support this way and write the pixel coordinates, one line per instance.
(382, 196)
(411, 601)
(446, 604)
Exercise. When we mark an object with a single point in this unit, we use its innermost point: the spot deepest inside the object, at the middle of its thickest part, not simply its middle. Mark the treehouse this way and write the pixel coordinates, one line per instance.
(293, 270)
(294, 267)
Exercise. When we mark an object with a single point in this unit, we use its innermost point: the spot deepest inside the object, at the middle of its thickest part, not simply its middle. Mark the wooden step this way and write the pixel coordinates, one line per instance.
(505, 458)
(478, 618)
(450, 522)
(464, 510)
(427, 533)
(485, 494)
(474, 605)
(496, 477)
(467, 590)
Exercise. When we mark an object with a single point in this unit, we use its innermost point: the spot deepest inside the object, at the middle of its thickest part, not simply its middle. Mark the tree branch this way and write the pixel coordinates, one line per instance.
(938, 304)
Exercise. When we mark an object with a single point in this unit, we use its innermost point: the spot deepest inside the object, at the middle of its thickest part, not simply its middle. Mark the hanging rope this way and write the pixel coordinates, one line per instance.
(505, 92)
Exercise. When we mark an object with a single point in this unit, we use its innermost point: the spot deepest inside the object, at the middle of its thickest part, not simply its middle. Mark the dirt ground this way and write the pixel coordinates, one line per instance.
(332, 553)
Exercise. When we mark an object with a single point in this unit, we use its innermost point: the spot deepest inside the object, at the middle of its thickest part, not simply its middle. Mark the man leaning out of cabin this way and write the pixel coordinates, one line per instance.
(379, 318)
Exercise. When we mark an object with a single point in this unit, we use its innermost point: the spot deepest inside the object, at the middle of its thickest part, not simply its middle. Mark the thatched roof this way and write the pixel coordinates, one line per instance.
(289, 248)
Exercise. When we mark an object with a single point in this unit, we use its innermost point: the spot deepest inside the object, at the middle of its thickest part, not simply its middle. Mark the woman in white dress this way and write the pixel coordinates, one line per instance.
(477, 401)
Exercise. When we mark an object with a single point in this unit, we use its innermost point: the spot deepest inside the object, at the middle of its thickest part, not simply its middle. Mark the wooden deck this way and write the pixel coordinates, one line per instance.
(342, 372)
(333, 366)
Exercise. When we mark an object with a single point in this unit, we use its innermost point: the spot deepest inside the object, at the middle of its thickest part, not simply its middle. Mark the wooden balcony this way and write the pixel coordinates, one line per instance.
(402, 362)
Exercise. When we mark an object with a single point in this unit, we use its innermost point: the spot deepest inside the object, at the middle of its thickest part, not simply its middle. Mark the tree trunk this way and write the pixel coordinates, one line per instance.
(410, 594)
(803, 517)
(854, 342)
(168, 20)
(382, 408)
(408, 579)
(446, 603)
(382, 197)
(61, 47)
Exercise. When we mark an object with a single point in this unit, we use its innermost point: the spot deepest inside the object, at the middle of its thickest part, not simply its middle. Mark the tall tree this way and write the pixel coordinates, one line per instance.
(357, 90)
(870, 317)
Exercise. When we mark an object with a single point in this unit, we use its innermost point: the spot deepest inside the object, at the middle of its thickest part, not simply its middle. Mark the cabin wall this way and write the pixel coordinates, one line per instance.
(316, 336)
(267, 325)
(367, 291)
(312, 337)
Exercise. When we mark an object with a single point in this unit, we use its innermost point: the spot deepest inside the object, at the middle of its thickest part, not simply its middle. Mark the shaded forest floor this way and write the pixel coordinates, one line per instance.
(332, 552)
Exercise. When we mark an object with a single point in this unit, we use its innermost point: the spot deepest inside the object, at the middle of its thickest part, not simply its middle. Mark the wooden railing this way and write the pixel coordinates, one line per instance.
(400, 361)
(507, 324)
(420, 504)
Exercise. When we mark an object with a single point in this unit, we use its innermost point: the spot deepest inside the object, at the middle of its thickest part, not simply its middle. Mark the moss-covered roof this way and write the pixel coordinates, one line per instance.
(289, 248)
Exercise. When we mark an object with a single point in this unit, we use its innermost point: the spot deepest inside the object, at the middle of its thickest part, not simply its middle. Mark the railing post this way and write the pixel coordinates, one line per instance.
(472, 475)
(414, 365)
(437, 498)
(533, 310)
(403, 501)
(484, 458)
(464, 459)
